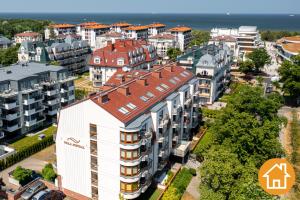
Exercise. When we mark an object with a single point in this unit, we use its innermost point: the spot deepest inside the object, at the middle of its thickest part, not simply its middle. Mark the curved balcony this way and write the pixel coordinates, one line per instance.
(131, 163)
(131, 179)
(130, 146)
(131, 195)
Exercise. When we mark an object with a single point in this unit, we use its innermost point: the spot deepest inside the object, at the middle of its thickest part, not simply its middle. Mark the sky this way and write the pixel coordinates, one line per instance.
(153, 6)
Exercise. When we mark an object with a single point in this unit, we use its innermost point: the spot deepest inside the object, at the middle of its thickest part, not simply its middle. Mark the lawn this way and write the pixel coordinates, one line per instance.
(156, 194)
(29, 141)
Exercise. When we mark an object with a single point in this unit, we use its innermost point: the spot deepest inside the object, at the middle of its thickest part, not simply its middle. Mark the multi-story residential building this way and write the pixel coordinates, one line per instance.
(288, 47)
(156, 28)
(136, 32)
(81, 26)
(127, 54)
(118, 27)
(59, 29)
(183, 36)
(31, 94)
(70, 53)
(211, 64)
(111, 145)
(162, 42)
(28, 36)
(228, 40)
(101, 40)
(5, 42)
(216, 32)
(90, 32)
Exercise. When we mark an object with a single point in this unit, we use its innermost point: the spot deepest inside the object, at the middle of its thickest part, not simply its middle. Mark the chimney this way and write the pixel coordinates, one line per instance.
(103, 98)
(142, 81)
(124, 90)
(157, 74)
(169, 68)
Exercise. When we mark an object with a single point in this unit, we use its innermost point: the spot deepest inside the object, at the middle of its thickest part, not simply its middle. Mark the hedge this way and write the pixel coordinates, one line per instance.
(25, 153)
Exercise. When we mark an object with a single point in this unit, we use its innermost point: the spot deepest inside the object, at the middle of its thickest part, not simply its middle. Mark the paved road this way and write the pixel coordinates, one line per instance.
(272, 69)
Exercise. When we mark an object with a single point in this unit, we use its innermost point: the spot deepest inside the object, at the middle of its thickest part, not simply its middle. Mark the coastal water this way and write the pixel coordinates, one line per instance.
(196, 21)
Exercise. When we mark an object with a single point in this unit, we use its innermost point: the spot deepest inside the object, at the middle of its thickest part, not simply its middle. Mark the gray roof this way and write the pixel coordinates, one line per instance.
(19, 72)
(4, 40)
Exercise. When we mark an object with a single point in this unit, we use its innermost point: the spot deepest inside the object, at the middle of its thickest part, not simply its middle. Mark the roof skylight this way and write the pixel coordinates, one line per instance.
(150, 95)
(164, 86)
(160, 89)
(172, 81)
(143, 98)
(123, 110)
(131, 106)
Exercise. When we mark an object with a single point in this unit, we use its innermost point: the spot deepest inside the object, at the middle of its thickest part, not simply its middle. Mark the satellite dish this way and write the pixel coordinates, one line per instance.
(125, 69)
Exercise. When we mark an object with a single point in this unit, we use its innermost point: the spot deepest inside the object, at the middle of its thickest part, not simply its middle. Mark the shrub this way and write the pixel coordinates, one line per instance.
(193, 171)
(23, 175)
(48, 173)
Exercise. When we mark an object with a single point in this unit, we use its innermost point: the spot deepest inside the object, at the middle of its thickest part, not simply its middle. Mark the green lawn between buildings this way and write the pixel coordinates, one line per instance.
(29, 141)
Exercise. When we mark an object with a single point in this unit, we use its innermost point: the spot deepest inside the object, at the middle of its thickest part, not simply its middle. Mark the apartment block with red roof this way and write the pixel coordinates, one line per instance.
(60, 29)
(113, 143)
(123, 54)
(156, 28)
(28, 36)
(183, 36)
(101, 40)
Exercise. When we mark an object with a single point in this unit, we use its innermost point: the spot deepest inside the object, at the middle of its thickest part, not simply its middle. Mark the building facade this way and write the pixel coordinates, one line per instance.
(91, 32)
(5, 42)
(101, 41)
(162, 42)
(288, 47)
(59, 29)
(183, 36)
(70, 53)
(211, 64)
(113, 143)
(229, 41)
(118, 27)
(28, 36)
(136, 32)
(155, 29)
(31, 96)
(123, 54)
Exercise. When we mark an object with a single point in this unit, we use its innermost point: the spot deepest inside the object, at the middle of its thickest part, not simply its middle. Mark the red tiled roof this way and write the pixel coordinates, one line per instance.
(28, 34)
(88, 24)
(136, 28)
(156, 25)
(180, 29)
(112, 100)
(225, 38)
(112, 34)
(62, 26)
(121, 24)
(97, 26)
(110, 54)
(163, 36)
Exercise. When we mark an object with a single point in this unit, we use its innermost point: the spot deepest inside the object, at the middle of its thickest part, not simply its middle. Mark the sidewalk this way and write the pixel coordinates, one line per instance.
(192, 191)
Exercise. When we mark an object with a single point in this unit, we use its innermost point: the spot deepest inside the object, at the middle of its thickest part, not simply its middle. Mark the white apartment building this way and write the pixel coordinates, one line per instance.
(28, 36)
(111, 145)
(60, 29)
(229, 41)
(162, 42)
(136, 32)
(156, 28)
(118, 27)
(183, 36)
(216, 32)
(101, 40)
(91, 32)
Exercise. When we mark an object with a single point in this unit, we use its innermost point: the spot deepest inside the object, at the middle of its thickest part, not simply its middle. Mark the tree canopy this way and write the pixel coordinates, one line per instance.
(199, 37)
(48, 173)
(260, 58)
(272, 36)
(173, 53)
(22, 175)
(9, 56)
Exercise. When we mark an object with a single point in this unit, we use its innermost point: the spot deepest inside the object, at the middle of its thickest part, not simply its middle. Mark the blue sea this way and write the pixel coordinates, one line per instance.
(197, 21)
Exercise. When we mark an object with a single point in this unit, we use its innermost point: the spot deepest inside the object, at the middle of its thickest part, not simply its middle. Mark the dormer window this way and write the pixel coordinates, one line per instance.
(205, 62)
(97, 60)
(120, 61)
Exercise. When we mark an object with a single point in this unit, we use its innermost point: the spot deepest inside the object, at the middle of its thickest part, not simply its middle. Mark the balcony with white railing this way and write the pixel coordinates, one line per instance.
(29, 112)
(12, 116)
(30, 123)
(11, 128)
(182, 149)
(52, 112)
(9, 106)
(52, 102)
(131, 195)
(51, 92)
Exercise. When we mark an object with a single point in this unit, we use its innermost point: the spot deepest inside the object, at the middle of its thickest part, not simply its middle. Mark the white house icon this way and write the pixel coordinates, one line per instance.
(277, 177)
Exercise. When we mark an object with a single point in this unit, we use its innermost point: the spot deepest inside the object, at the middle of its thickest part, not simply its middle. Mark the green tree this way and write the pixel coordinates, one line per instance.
(9, 56)
(290, 77)
(246, 66)
(173, 53)
(171, 194)
(22, 175)
(80, 94)
(48, 173)
(199, 37)
(260, 58)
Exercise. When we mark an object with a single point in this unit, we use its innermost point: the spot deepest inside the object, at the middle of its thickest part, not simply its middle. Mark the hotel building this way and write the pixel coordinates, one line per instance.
(118, 27)
(123, 54)
(288, 47)
(71, 53)
(60, 29)
(91, 32)
(28, 36)
(136, 32)
(156, 28)
(162, 42)
(113, 143)
(31, 95)
(211, 64)
(183, 36)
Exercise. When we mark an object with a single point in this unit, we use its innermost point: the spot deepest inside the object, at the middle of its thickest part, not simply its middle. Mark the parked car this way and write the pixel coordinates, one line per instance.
(41, 195)
(32, 190)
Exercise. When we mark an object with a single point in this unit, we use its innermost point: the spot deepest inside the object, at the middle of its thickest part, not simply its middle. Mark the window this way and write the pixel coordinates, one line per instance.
(160, 89)
(124, 110)
(129, 154)
(182, 74)
(172, 81)
(129, 171)
(97, 60)
(129, 187)
(129, 138)
(164, 86)
(131, 106)
(120, 61)
(150, 95)
(176, 78)
(143, 98)
(93, 130)
(186, 73)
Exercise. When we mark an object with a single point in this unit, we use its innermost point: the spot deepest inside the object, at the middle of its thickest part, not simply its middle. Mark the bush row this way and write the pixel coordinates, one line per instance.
(26, 152)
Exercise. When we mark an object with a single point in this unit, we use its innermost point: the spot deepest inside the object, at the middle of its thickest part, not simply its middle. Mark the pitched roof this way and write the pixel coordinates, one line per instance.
(97, 26)
(124, 49)
(4, 40)
(163, 36)
(121, 24)
(293, 39)
(28, 34)
(156, 25)
(180, 29)
(87, 24)
(292, 47)
(136, 28)
(142, 92)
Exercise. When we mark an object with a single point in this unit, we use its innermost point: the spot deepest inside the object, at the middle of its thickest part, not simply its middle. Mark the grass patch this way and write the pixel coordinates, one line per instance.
(29, 141)
(156, 194)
